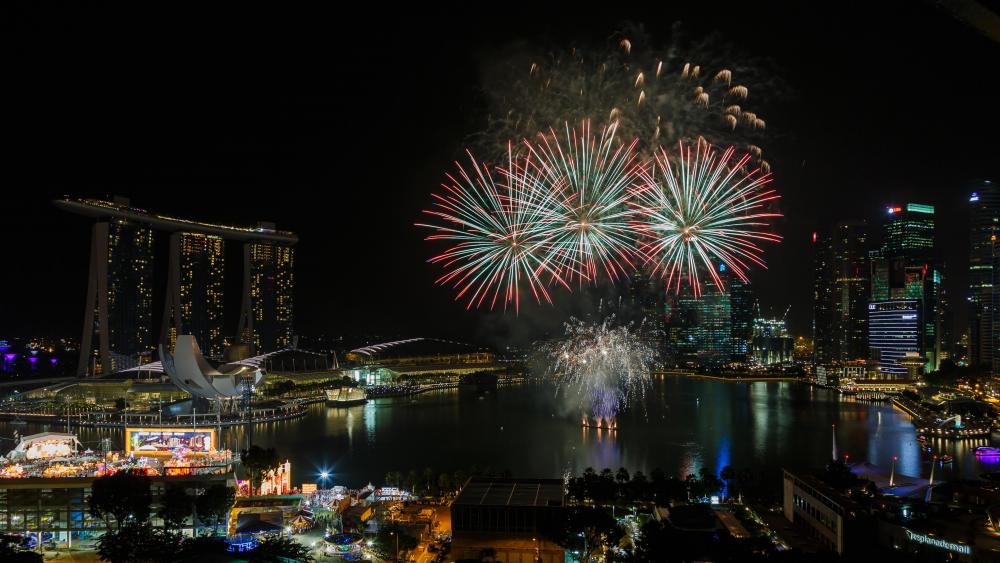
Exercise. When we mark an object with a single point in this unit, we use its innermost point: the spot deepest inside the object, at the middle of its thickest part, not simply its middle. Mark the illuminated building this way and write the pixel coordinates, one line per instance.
(908, 228)
(842, 286)
(914, 270)
(984, 226)
(385, 362)
(894, 330)
(119, 306)
(646, 296)
(823, 285)
(771, 342)
(702, 327)
(194, 303)
(120, 294)
(879, 275)
(266, 315)
(742, 306)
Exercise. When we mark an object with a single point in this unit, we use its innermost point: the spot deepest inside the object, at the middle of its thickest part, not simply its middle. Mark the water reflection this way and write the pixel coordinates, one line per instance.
(686, 424)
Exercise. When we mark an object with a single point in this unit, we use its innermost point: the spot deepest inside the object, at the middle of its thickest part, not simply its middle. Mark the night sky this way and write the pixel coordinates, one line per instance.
(339, 125)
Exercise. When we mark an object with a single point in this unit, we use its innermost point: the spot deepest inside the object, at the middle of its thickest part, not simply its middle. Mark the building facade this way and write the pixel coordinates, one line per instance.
(118, 314)
(895, 329)
(117, 328)
(266, 320)
(984, 226)
(195, 302)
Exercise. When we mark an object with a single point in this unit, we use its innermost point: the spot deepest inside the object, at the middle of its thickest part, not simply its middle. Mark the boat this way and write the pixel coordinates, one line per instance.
(946, 459)
(987, 451)
(345, 397)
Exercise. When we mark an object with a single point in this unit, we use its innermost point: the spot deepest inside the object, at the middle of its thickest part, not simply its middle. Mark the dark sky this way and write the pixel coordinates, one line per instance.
(338, 126)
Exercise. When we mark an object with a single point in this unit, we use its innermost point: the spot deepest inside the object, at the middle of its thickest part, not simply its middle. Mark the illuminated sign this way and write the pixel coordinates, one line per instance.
(974, 197)
(943, 544)
(920, 208)
(895, 210)
(168, 441)
(308, 488)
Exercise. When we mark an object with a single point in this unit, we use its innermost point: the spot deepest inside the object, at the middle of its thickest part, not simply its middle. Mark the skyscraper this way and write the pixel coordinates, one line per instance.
(194, 303)
(824, 278)
(894, 331)
(266, 318)
(851, 290)
(701, 327)
(742, 306)
(120, 284)
(841, 290)
(908, 228)
(984, 226)
(916, 271)
(119, 308)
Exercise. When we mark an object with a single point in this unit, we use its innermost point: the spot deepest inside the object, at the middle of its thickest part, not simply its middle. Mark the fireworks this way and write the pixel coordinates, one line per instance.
(494, 229)
(589, 207)
(703, 212)
(603, 367)
(582, 188)
(655, 96)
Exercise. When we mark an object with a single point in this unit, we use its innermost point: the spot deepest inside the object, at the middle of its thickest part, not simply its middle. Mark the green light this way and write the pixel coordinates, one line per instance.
(920, 208)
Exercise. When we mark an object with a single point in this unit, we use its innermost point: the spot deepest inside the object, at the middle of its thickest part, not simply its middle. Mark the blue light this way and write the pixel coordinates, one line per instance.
(974, 197)
(722, 267)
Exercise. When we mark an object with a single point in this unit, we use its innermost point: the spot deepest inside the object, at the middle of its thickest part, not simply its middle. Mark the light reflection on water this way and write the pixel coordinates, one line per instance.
(686, 424)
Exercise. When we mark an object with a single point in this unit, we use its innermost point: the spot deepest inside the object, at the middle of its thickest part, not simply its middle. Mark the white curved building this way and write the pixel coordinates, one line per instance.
(190, 371)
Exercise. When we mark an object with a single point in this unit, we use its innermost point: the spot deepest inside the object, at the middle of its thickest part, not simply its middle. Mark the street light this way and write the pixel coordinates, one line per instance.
(395, 557)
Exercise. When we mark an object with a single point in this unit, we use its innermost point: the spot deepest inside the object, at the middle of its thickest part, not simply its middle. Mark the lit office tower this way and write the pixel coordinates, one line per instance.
(266, 318)
(646, 307)
(194, 303)
(119, 309)
(702, 327)
(915, 271)
(908, 228)
(851, 290)
(824, 278)
(894, 331)
(984, 226)
(878, 268)
(742, 306)
(841, 290)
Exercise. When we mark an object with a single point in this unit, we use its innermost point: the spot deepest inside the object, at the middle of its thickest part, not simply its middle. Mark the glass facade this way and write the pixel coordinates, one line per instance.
(908, 228)
(895, 330)
(984, 226)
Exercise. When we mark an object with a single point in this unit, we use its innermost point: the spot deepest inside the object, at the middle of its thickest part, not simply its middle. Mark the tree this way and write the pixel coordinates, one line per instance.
(274, 549)
(257, 461)
(11, 552)
(137, 542)
(124, 495)
(213, 505)
(175, 507)
(200, 549)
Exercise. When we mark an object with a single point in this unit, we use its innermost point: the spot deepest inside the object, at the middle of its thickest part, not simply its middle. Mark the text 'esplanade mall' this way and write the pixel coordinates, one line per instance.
(118, 329)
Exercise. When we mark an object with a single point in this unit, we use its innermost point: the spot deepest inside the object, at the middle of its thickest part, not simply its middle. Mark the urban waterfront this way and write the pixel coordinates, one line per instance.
(689, 424)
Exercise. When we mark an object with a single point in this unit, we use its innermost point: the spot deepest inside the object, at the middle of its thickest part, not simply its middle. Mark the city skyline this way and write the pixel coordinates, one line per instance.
(363, 270)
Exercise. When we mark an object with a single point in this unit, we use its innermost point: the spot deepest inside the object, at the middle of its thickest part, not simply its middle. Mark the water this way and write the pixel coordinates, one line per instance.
(687, 424)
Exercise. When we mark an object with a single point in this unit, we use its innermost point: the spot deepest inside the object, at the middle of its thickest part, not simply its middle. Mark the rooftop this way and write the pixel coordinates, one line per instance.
(123, 210)
(481, 491)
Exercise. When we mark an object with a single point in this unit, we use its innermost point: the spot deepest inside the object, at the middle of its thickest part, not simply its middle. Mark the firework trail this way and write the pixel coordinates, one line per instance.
(656, 96)
(494, 228)
(699, 210)
(604, 367)
(582, 189)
